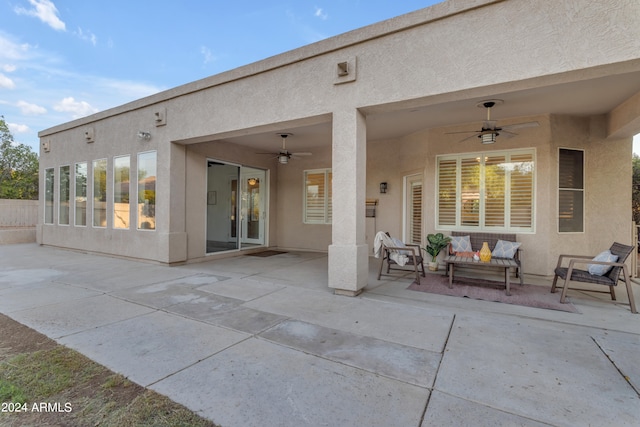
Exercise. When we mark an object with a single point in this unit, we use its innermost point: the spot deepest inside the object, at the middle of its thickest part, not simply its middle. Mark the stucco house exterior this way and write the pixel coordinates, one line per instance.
(180, 176)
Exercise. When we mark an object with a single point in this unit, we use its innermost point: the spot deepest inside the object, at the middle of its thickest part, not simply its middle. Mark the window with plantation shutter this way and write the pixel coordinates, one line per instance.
(570, 191)
(491, 191)
(416, 213)
(413, 209)
(447, 192)
(317, 196)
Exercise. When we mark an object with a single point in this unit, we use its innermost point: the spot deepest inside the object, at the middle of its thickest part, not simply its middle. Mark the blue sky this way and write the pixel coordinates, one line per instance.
(65, 59)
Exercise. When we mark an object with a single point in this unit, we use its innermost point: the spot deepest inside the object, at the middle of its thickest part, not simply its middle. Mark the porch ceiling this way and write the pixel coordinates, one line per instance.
(586, 97)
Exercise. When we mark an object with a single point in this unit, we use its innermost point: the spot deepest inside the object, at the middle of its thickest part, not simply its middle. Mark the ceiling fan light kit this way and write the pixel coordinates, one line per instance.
(490, 130)
(284, 155)
(488, 137)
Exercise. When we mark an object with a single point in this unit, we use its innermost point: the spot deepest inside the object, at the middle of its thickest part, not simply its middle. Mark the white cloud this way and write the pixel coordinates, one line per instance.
(206, 53)
(86, 36)
(12, 51)
(45, 11)
(31, 109)
(6, 82)
(18, 128)
(320, 13)
(76, 108)
(126, 90)
(9, 68)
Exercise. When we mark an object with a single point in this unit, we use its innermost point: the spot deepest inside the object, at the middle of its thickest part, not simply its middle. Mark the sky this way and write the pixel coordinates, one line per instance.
(65, 59)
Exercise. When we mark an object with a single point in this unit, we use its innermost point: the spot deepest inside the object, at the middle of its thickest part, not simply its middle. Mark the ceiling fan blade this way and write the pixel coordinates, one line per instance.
(301, 154)
(475, 135)
(462, 131)
(507, 134)
(521, 125)
(274, 154)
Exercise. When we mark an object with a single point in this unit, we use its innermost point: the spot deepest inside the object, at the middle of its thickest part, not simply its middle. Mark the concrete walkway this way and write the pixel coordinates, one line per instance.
(251, 341)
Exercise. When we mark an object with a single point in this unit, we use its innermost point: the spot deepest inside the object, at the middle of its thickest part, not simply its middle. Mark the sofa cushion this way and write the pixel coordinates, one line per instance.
(461, 244)
(601, 269)
(505, 249)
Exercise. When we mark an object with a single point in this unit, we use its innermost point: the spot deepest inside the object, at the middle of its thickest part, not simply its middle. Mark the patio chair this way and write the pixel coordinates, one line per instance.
(609, 279)
(395, 252)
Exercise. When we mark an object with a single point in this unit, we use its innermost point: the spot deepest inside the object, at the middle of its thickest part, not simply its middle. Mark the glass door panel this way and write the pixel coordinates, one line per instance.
(222, 224)
(252, 206)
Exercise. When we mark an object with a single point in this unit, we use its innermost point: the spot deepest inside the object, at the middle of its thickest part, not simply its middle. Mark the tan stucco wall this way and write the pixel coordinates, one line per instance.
(607, 185)
(440, 54)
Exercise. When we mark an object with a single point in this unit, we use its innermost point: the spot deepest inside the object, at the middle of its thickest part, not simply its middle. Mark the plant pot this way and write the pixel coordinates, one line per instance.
(433, 265)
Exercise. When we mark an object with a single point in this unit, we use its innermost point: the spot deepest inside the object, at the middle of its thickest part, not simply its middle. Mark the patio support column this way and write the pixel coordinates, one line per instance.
(348, 252)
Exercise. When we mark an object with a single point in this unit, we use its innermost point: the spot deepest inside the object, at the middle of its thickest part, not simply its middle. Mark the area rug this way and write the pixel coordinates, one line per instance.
(266, 253)
(489, 290)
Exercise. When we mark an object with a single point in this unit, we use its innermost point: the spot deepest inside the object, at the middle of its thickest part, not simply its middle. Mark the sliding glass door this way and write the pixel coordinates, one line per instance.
(236, 213)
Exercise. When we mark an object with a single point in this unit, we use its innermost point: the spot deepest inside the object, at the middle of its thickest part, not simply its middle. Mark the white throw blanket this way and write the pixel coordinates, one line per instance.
(381, 240)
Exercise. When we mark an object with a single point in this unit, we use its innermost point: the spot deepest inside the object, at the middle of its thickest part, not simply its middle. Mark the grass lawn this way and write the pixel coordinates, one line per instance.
(46, 384)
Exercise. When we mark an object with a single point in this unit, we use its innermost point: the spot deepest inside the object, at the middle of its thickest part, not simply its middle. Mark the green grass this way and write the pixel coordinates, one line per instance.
(97, 396)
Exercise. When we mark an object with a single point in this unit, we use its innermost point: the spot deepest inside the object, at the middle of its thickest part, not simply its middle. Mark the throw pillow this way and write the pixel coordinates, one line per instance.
(601, 269)
(505, 249)
(461, 244)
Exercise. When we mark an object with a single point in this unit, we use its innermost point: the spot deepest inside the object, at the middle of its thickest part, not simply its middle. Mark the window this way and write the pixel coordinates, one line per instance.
(81, 194)
(571, 191)
(49, 191)
(121, 180)
(147, 190)
(486, 191)
(65, 188)
(100, 193)
(317, 196)
(413, 209)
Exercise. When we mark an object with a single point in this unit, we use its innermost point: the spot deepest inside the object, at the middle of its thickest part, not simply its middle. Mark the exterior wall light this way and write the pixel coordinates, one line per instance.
(383, 187)
(144, 135)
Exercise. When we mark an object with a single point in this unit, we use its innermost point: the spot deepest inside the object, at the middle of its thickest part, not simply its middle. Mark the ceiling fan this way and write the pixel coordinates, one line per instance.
(490, 130)
(284, 155)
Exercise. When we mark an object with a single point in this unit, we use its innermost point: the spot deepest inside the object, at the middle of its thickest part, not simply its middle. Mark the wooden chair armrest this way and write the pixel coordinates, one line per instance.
(563, 256)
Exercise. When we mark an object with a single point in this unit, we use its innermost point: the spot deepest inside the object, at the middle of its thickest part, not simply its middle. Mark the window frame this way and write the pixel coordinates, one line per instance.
(482, 156)
(76, 196)
(327, 207)
(94, 167)
(582, 190)
(139, 210)
(49, 195)
(117, 194)
(64, 177)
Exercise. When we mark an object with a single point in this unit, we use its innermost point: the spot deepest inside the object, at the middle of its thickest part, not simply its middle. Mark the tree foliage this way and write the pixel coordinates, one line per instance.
(18, 167)
(635, 195)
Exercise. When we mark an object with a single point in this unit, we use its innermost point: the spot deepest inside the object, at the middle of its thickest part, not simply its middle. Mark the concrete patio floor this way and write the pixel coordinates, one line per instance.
(250, 341)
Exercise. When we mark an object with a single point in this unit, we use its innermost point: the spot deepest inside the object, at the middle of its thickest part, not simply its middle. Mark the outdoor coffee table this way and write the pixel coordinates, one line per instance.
(507, 264)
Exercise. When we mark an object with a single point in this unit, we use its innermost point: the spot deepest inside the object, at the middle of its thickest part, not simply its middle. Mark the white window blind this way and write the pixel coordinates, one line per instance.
(415, 220)
(317, 196)
(486, 191)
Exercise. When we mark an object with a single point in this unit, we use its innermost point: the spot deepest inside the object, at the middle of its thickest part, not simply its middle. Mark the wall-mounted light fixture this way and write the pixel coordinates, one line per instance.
(89, 135)
(252, 181)
(383, 187)
(144, 135)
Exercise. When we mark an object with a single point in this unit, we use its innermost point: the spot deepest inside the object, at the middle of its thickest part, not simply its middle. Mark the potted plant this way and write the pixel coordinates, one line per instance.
(437, 242)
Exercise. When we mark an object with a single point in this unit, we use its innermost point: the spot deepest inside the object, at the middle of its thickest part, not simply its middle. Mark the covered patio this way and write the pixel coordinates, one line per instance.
(254, 341)
(402, 102)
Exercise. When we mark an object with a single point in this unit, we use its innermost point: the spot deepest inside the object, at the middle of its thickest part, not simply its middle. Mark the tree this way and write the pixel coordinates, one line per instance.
(18, 167)
(635, 195)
